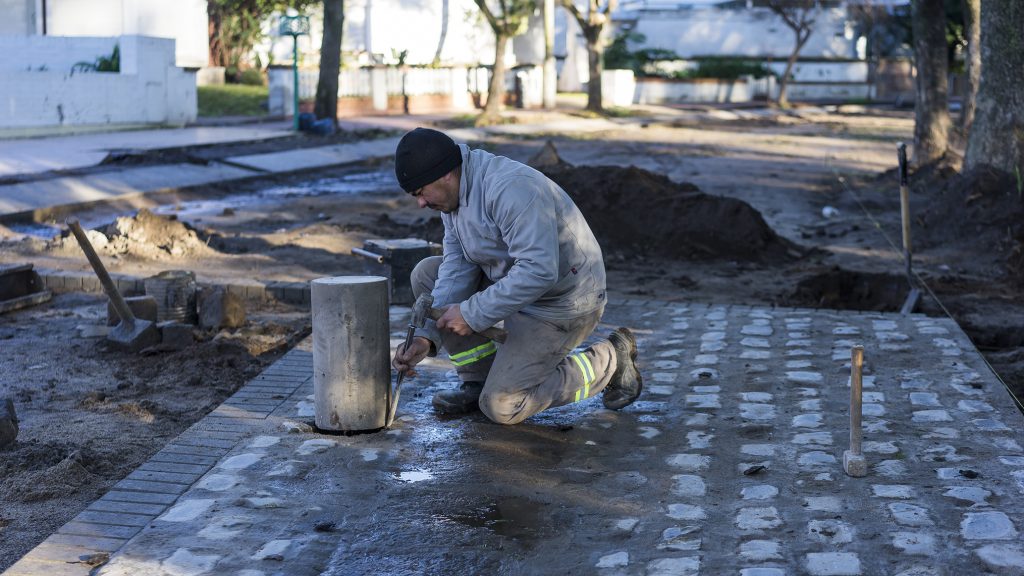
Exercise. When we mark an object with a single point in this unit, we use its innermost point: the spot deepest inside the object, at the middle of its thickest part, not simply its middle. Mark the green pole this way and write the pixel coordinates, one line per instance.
(295, 82)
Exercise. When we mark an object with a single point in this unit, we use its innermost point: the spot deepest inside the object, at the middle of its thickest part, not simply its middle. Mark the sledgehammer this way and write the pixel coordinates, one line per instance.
(422, 309)
(132, 333)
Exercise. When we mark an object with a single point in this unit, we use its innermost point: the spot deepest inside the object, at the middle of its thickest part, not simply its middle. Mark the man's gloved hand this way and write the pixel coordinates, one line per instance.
(452, 320)
(405, 359)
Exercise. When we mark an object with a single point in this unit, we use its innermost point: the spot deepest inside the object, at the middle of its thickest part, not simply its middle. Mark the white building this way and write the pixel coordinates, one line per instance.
(184, 21)
(44, 85)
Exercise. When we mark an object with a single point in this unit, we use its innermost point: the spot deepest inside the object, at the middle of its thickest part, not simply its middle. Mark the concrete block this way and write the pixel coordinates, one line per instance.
(91, 284)
(129, 286)
(144, 486)
(104, 505)
(221, 308)
(236, 289)
(255, 292)
(175, 335)
(75, 528)
(140, 497)
(172, 477)
(73, 282)
(143, 307)
(855, 464)
(113, 518)
(296, 293)
(51, 280)
(276, 291)
(90, 542)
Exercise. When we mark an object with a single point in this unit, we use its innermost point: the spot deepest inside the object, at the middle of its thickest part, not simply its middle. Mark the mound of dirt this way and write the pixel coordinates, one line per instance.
(146, 236)
(67, 475)
(634, 211)
(841, 289)
(980, 211)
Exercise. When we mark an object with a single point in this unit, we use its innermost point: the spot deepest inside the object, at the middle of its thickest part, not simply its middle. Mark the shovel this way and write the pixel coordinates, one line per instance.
(132, 334)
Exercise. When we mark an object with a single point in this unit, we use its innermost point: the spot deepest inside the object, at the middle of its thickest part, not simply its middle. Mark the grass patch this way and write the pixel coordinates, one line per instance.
(232, 100)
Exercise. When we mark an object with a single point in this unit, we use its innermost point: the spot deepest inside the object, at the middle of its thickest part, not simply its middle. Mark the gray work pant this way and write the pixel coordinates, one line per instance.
(533, 370)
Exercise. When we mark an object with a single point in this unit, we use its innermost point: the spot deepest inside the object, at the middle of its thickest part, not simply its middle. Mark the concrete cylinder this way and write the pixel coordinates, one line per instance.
(351, 346)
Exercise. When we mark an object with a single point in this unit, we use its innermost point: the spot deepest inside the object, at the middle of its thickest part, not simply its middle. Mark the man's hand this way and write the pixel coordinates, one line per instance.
(452, 320)
(405, 359)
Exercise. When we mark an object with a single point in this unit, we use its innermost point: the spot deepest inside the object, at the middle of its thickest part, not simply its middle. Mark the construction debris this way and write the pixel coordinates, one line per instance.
(20, 287)
(219, 308)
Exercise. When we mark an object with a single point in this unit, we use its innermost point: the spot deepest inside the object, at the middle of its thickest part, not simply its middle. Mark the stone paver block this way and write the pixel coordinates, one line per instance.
(98, 530)
(833, 564)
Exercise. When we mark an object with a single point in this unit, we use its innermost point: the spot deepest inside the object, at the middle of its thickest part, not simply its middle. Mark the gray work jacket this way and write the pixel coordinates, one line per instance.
(516, 232)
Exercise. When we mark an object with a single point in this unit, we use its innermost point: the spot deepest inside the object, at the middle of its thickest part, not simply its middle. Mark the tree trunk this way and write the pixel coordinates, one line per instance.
(550, 74)
(326, 105)
(444, 32)
(801, 39)
(931, 106)
(596, 66)
(972, 30)
(997, 136)
(213, 38)
(496, 89)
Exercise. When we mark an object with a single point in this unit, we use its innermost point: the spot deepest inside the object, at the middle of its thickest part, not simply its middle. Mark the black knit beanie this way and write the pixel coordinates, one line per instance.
(424, 155)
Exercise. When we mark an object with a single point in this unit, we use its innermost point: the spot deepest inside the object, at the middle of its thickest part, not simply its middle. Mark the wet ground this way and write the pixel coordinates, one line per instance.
(731, 462)
(785, 170)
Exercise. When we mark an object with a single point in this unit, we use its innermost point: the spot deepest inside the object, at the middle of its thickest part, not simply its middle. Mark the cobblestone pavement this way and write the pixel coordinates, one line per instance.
(731, 463)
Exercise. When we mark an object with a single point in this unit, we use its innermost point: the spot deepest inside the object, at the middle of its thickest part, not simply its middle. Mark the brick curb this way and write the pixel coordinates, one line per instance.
(147, 492)
(60, 282)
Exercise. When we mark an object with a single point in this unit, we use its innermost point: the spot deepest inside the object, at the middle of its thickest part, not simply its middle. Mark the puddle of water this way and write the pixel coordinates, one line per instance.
(415, 476)
(356, 183)
(516, 518)
(38, 230)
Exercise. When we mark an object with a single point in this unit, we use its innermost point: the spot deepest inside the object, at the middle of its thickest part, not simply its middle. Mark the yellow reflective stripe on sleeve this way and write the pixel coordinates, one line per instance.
(582, 367)
(586, 390)
(585, 367)
(474, 354)
(577, 396)
(590, 369)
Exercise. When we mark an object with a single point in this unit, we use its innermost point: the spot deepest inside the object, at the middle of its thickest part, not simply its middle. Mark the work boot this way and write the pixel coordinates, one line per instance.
(626, 383)
(462, 400)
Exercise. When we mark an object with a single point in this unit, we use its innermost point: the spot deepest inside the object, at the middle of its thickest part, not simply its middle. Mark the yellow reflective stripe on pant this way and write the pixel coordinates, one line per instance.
(587, 371)
(474, 354)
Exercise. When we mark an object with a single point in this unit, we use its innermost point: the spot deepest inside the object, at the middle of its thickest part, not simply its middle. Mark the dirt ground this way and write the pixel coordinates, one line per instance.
(795, 210)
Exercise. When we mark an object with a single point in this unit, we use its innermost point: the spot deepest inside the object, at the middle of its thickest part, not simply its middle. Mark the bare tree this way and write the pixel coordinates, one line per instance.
(507, 21)
(972, 32)
(931, 105)
(550, 74)
(799, 16)
(444, 32)
(326, 103)
(997, 136)
(592, 24)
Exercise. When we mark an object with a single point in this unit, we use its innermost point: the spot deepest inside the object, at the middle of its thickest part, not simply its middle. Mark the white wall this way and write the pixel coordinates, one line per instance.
(18, 17)
(415, 25)
(185, 21)
(149, 89)
(710, 31)
(824, 71)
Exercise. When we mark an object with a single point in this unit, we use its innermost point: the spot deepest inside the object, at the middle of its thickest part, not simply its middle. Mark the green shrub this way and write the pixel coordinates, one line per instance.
(110, 63)
(250, 77)
(728, 69)
(232, 100)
